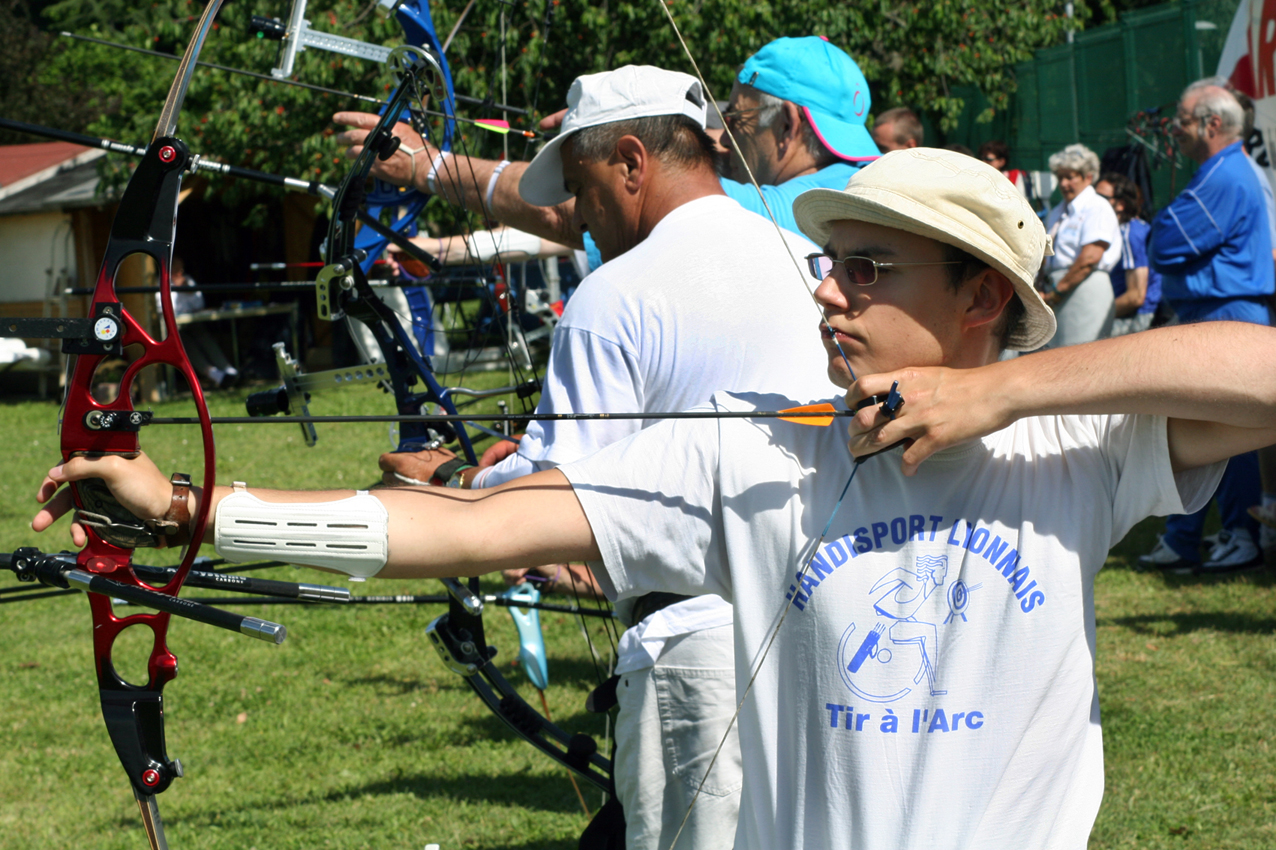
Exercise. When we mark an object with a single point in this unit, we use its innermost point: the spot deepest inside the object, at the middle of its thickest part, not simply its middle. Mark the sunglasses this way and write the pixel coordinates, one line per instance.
(861, 271)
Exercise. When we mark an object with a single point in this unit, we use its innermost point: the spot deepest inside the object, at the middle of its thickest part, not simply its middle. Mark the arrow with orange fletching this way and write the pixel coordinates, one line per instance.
(821, 414)
(809, 414)
(503, 127)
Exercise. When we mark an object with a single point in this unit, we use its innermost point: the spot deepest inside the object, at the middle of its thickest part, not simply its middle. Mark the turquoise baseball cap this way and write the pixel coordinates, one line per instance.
(826, 83)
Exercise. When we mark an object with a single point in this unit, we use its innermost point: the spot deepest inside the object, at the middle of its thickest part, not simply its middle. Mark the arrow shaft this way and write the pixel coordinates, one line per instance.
(512, 417)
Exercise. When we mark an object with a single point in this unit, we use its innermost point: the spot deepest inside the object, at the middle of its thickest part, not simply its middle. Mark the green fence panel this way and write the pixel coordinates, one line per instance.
(1100, 78)
(1025, 123)
(1056, 97)
(1159, 62)
(1088, 91)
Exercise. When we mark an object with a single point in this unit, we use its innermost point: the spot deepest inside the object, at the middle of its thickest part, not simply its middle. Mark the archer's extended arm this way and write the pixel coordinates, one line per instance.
(429, 532)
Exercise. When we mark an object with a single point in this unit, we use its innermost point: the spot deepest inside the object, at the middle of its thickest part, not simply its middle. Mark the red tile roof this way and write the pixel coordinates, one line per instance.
(19, 161)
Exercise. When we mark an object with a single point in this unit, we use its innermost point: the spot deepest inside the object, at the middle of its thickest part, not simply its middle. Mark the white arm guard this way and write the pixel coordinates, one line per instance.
(351, 535)
(483, 245)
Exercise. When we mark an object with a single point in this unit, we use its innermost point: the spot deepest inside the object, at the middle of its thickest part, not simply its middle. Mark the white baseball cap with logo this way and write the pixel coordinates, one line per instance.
(634, 91)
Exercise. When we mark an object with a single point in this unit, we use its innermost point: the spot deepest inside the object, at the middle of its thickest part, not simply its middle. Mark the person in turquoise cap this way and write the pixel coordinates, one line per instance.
(797, 114)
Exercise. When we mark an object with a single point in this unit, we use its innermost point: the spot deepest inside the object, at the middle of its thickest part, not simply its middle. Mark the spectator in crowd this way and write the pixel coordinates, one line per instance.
(958, 147)
(1136, 287)
(205, 354)
(1213, 247)
(996, 153)
(898, 128)
(1087, 246)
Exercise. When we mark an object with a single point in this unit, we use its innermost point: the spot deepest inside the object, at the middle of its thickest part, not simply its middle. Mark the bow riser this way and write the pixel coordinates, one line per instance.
(144, 224)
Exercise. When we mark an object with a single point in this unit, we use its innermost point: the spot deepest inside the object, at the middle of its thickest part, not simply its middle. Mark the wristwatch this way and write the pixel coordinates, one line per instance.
(175, 528)
(448, 474)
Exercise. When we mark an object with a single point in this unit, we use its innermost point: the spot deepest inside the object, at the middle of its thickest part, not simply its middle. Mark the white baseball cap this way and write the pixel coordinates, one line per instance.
(634, 91)
(952, 198)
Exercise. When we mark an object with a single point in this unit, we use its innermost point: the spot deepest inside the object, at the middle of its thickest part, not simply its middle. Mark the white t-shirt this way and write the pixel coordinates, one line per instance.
(933, 683)
(709, 300)
(1087, 218)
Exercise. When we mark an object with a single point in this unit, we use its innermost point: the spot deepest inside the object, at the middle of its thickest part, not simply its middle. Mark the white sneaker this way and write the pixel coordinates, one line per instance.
(1239, 551)
(1217, 543)
(1162, 557)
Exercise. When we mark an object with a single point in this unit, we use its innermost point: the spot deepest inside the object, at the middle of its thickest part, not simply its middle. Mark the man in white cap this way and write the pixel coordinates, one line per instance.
(999, 490)
(797, 110)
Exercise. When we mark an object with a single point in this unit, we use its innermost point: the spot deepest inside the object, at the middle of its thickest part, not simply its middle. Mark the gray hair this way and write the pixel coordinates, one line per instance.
(769, 107)
(1215, 100)
(1078, 158)
(675, 139)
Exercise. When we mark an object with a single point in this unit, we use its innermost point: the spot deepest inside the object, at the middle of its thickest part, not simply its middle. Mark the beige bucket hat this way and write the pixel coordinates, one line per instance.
(952, 198)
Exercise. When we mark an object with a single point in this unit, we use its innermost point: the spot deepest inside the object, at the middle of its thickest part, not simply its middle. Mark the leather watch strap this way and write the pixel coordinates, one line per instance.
(177, 522)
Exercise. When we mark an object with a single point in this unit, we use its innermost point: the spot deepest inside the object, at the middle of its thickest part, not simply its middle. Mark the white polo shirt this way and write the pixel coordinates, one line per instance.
(1087, 218)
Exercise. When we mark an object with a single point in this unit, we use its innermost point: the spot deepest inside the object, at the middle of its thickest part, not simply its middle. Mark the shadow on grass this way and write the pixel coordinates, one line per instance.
(567, 672)
(513, 790)
(1186, 623)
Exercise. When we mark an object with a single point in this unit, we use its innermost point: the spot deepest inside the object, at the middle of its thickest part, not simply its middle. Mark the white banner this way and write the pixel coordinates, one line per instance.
(1249, 61)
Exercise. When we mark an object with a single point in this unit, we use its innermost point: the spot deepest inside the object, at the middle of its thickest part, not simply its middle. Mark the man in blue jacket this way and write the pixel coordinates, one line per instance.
(1213, 248)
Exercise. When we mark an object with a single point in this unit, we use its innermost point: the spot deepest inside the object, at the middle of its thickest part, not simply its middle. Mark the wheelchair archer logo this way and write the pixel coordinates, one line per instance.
(875, 665)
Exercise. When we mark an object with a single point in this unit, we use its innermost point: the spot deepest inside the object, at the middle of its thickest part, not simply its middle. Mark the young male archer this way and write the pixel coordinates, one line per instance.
(1021, 473)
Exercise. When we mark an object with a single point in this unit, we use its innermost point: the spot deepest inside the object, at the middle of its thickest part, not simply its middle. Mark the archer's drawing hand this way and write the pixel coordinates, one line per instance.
(137, 485)
(498, 451)
(575, 580)
(411, 469)
(942, 408)
(398, 168)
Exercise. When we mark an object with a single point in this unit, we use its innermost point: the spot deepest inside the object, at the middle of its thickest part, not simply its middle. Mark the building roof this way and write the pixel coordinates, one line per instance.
(24, 168)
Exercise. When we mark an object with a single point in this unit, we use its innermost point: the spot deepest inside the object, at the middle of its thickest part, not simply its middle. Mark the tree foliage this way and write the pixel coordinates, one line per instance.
(912, 53)
(31, 92)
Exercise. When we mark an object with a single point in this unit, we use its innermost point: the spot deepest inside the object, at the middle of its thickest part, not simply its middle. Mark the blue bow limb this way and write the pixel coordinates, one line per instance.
(531, 640)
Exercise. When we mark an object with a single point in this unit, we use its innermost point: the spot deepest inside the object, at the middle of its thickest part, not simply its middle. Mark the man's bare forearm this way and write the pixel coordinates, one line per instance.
(464, 180)
(1214, 372)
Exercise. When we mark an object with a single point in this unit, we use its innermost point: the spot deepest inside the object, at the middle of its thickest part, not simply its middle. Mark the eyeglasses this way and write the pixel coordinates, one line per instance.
(861, 271)
(731, 116)
(1182, 121)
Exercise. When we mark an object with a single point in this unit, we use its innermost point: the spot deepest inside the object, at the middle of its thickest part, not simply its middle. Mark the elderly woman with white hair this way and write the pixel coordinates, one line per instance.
(1087, 245)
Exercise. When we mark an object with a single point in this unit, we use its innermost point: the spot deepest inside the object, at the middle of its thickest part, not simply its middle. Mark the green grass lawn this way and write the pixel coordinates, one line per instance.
(353, 735)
